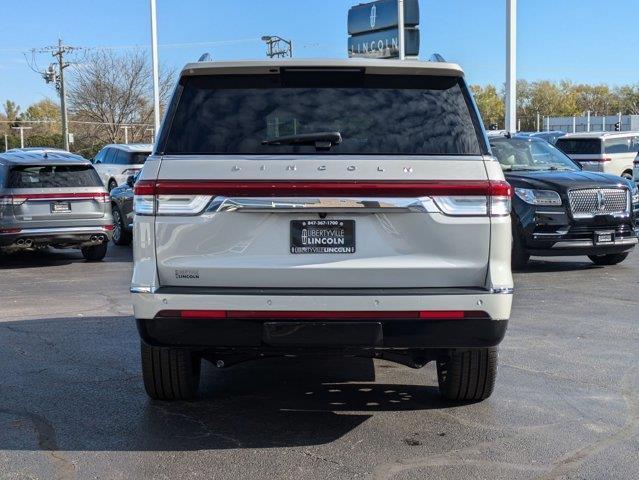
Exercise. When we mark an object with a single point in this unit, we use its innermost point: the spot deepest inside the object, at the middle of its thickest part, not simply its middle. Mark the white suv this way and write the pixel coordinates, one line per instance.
(115, 163)
(607, 152)
(346, 207)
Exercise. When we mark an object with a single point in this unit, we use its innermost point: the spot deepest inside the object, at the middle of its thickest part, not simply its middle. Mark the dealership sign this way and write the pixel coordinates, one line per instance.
(374, 32)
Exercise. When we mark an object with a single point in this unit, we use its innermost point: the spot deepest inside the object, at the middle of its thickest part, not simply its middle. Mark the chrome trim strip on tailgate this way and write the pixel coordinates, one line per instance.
(323, 204)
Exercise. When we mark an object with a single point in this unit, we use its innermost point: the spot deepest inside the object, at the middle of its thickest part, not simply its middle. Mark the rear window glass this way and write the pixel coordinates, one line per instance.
(585, 146)
(374, 114)
(138, 158)
(53, 176)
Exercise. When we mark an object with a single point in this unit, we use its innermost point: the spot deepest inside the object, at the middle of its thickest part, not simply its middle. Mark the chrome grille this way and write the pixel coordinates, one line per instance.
(598, 201)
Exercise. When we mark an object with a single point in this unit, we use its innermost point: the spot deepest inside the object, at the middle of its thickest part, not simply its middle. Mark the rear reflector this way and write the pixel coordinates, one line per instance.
(10, 230)
(319, 315)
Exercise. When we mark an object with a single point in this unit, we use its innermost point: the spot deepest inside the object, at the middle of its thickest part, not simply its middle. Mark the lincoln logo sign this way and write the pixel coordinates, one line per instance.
(374, 32)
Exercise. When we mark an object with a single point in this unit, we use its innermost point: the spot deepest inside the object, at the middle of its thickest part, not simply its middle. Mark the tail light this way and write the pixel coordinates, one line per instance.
(101, 197)
(452, 197)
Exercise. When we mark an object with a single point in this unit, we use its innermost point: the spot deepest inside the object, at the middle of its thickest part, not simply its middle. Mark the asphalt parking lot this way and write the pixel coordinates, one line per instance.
(72, 404)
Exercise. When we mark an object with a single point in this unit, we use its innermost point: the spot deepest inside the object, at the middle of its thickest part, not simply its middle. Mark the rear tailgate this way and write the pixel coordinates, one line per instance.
(55, 195)
(393, 247)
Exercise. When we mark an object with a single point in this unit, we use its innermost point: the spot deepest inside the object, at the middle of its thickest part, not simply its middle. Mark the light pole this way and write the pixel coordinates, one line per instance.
(154, 61)
(511, 65)
(274, 49)
(400, 29)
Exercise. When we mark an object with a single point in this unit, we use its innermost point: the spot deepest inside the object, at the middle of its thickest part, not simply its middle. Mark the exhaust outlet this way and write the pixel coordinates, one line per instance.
(20, 242)
(28, 243)
(94, 238)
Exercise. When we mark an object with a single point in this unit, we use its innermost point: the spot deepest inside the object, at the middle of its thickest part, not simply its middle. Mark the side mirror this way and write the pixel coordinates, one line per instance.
(130, 180)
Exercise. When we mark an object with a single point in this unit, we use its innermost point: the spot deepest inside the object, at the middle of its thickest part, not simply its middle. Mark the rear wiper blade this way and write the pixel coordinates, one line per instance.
(321, 140)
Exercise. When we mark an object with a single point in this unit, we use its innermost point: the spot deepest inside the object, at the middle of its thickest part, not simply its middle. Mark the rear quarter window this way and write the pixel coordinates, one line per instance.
(375, 114)
(53, 176)
(585, 146)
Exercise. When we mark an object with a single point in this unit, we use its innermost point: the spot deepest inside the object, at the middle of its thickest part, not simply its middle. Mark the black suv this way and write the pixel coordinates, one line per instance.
(559, 209)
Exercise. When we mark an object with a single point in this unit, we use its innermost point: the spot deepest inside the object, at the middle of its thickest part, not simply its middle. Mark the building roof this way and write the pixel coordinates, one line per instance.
(374, 66)
(600, 134)
(132, 147)
(31, 157)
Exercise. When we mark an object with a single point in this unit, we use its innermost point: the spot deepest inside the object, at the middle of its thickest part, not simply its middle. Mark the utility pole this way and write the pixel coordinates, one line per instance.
(22, 129)
(511, 65)
(55, 74)
(274, 49)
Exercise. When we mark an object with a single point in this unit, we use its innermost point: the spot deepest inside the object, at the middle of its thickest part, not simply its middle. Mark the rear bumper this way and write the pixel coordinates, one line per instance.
(48, 235)
(265, 336)
(363, 333)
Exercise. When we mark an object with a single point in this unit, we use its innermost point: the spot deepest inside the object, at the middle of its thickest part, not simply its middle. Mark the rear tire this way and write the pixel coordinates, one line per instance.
(121, 236)
(627, 175)
(610, 259)
(94, 253)
(170, 373)
(467, 375)
(112, 184)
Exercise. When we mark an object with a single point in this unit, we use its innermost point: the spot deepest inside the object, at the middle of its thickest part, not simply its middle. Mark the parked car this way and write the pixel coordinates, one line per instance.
(606, 152)
(122, 210)
(559, 209)
(117, 162)
(52, 199)
(550, 136)
(344, 207)
(636, 169)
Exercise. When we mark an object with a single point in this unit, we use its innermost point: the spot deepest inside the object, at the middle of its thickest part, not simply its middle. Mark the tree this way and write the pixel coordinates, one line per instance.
(12, 112)
(490, 104)
(108, 91)
(47, 112)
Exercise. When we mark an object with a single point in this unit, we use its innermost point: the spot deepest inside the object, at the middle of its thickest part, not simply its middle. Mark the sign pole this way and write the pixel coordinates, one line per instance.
(400, 27)
(511, 65)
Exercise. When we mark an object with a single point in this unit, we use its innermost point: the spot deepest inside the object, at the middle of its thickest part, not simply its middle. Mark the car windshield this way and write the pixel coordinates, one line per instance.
(580, 146)
(373, 114)
(523, 154)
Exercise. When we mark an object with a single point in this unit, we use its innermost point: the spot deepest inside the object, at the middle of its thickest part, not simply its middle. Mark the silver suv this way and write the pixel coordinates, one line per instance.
(53, 198)
(346, 207)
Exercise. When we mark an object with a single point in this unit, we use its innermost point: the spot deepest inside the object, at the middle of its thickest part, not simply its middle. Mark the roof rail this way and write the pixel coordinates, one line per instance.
(205, 57)
(436, 57)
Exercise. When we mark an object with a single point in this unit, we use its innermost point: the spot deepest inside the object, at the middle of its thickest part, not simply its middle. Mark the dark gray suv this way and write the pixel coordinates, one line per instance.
(52, 198)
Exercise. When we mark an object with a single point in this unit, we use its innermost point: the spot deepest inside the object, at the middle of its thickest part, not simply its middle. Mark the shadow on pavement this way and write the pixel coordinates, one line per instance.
(49, 257)
(75, 384)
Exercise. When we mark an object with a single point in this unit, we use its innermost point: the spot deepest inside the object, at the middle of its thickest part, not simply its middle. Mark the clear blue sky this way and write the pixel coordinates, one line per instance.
(588, 41)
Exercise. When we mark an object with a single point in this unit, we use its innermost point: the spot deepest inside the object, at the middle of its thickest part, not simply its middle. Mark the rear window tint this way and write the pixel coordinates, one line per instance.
(53, 176)
(138, 158)
(581, 146)
(375, 114)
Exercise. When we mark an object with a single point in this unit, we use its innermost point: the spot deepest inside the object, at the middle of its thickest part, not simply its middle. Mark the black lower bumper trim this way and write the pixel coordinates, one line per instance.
(264, 335)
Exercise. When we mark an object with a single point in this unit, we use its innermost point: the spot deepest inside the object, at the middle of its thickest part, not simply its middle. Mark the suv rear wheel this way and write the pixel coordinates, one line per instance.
(170, 373)
(610, 259)
(121, 236)
(467, 375)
